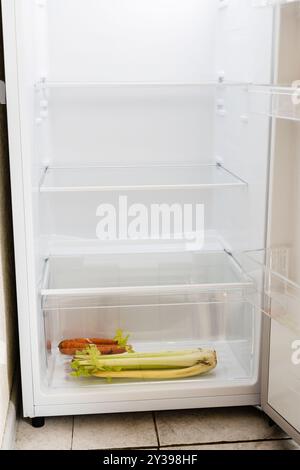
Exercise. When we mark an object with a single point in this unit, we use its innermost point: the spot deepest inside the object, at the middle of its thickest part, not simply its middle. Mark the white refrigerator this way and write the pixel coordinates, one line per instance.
(155, 167)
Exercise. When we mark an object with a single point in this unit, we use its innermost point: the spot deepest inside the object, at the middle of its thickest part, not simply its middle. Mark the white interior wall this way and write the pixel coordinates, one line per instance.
(167, 41)
(243, 54)
(132, 41)
(244, 41)
(130, 125)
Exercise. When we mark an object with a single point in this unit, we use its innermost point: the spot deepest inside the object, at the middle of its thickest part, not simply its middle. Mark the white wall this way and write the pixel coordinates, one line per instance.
(169, 32)
(8, 341)
(134, 41)
(244, 41)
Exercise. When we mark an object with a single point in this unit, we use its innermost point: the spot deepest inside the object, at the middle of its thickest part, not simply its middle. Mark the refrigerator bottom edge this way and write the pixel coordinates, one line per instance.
(250, 397)
(146, 405)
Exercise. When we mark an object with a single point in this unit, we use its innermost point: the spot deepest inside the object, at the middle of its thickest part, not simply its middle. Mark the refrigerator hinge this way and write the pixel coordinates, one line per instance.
(2, 92)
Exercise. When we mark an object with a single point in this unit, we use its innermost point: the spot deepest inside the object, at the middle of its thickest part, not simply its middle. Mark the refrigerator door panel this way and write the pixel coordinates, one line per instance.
(281, 333)
(281, 349)
(282, 400)
(281, 377)
(279, 296)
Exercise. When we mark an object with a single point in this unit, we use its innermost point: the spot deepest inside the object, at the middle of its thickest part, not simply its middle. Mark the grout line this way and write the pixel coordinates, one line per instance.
(132, 448)
(175, 446)
(156, 428)
(225, 442)
(72, 436)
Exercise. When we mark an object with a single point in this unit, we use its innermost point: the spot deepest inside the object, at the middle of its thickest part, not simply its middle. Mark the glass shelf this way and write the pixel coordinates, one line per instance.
(130, 178)
(275, 101)
(48, 84)
(140, 279)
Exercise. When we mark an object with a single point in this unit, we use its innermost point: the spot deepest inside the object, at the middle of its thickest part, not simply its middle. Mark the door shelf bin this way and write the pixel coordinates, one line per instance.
(275, 101)
(278, 296)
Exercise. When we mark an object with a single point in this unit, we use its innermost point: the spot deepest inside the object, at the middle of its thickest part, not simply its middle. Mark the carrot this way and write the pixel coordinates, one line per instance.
(78, 342)
(101, 341)
(103, 349)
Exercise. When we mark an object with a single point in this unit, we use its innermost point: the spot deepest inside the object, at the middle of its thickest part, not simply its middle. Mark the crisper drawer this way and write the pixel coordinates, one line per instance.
(229, 328)
(165, 302)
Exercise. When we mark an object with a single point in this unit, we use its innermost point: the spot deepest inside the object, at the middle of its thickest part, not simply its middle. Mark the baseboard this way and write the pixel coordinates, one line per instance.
(9, 436)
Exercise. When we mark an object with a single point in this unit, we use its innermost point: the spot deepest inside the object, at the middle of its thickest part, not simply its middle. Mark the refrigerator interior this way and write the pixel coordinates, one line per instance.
(159, 102)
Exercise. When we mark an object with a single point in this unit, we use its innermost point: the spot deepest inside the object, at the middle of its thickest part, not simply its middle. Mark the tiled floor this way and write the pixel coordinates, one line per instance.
(217, 429)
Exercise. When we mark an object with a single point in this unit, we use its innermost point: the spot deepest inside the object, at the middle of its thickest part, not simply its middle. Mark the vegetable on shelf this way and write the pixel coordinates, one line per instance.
(105, 346)
(71, 348)
(144, 366)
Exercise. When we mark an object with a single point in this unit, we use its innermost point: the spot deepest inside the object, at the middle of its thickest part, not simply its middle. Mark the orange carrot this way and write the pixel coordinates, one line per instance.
(79, 342)
(70, 347)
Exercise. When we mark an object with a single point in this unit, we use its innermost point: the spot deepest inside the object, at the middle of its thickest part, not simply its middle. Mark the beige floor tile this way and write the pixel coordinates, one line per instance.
(55, 435)
(114, 431)
(153, 449)
(214, 425)
(284, 444)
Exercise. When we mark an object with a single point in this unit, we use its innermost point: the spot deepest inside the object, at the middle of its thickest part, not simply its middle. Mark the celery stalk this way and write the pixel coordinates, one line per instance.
(164, 361)
(90, 362)
(197, 369)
